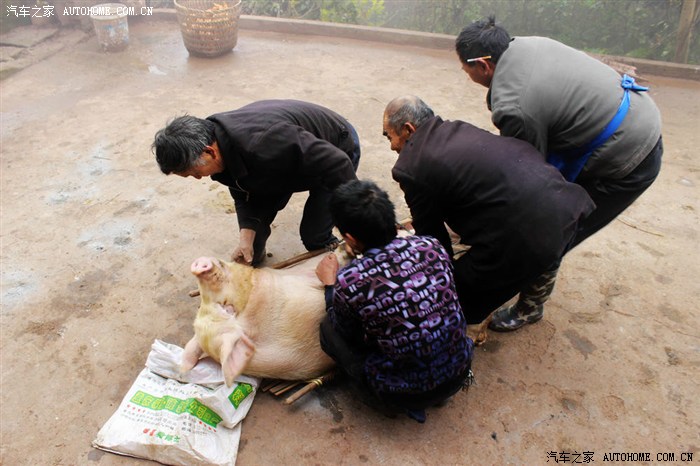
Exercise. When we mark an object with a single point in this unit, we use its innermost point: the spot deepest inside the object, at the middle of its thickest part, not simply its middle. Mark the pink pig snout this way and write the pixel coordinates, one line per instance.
(201, 265)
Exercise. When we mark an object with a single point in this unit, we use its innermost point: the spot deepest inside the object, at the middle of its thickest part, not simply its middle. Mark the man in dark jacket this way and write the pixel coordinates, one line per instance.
(264, 152)
(516, 212)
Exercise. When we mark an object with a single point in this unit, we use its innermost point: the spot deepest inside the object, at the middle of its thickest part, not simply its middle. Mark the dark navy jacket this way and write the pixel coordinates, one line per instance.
(273, 148)
(516, 212)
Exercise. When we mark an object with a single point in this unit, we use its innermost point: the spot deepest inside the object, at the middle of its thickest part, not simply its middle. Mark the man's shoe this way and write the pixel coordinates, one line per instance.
(513, 317)
(417, 415)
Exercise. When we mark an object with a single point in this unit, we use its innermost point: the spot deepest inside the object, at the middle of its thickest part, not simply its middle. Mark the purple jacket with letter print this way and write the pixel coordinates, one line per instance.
(398, 305)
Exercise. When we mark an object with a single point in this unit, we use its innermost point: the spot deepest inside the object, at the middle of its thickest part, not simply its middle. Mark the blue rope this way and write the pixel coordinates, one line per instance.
(570, 163)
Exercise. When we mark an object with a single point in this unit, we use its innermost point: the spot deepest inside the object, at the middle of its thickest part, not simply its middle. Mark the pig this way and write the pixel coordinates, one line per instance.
(261, 322)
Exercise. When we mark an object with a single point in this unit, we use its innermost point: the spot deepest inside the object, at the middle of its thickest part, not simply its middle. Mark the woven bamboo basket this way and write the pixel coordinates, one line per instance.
(209, 27)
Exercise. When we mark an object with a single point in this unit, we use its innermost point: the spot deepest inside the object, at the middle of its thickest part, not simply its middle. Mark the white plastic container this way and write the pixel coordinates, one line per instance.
(111, 26)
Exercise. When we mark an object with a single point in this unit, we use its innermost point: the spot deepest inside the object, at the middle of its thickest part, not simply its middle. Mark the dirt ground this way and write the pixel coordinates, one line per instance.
(97, 243)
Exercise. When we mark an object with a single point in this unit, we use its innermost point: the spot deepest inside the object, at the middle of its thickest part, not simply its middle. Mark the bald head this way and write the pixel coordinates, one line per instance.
(407, 109)
(402, 117)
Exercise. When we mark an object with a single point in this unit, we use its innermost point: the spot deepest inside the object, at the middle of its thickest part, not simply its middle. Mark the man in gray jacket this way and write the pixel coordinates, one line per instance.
(601, 130)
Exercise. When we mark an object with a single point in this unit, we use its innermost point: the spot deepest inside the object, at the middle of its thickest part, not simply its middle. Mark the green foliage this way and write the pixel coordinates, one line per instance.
(338, 11)
(369, 12)
(274, 8)
(364, 12)
(641, 28)
(440, 16)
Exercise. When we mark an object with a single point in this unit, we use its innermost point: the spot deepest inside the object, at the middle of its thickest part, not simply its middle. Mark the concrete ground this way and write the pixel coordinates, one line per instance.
(96, 247)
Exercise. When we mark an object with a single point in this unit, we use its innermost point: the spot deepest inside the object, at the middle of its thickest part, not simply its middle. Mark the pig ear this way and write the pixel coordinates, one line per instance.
(236, 351)
(191, 355)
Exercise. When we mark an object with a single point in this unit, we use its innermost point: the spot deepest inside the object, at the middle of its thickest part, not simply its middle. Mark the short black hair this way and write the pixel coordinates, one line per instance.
(482, 38)
(364, 210)
(179, 145)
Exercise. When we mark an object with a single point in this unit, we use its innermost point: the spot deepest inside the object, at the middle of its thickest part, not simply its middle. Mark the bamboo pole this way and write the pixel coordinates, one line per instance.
(310, 385)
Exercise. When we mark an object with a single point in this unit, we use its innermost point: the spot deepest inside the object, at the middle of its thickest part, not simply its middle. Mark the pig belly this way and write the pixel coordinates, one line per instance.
(289, 309)
(305, 364)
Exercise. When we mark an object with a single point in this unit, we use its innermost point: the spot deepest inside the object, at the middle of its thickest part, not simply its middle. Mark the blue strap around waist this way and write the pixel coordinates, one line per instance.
(571, 162)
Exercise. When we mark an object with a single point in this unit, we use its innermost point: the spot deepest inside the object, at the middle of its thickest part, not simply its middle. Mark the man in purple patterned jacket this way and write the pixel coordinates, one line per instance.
(394, 323)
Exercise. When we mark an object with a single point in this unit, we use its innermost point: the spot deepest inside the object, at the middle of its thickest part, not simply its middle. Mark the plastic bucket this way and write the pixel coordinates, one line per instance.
(111, 26)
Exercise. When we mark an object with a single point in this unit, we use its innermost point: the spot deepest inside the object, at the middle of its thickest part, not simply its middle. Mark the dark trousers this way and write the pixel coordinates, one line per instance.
(612, 197)
(316, 224)
(351, 360)
(479, 299)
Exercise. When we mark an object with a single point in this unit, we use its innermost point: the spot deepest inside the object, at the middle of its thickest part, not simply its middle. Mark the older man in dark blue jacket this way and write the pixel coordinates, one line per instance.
(516, 212)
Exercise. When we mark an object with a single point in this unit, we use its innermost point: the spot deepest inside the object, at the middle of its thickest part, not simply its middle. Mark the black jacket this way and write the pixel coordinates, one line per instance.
(273, 148)
(516, 212)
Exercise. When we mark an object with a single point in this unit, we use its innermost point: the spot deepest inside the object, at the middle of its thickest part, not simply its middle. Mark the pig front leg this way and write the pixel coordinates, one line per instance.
(236, 351)
(190, 357)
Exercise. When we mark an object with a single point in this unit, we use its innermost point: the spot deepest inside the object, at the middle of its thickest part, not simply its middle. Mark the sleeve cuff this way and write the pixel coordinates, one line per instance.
(329, 291)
